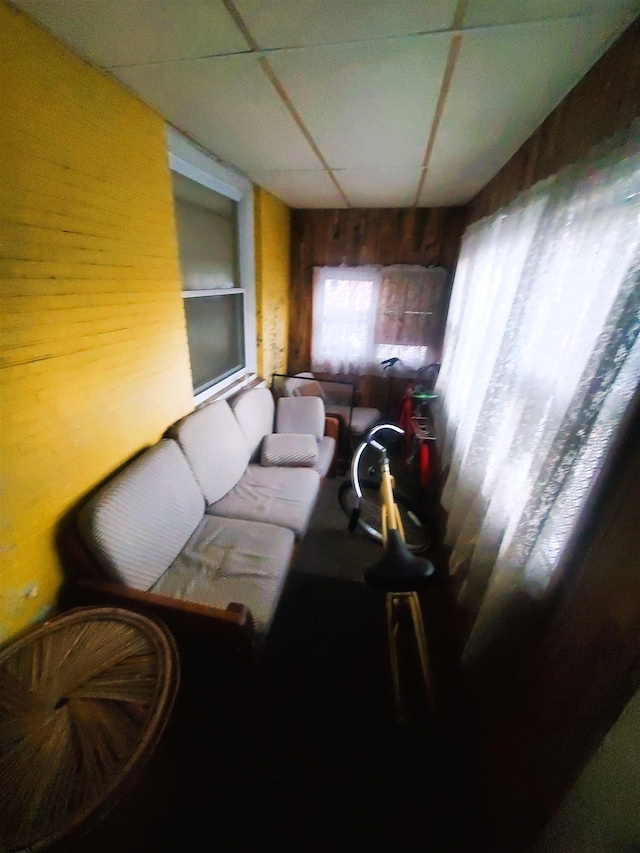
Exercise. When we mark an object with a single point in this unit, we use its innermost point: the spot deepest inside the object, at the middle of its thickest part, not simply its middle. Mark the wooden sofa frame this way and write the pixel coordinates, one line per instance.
(233, 627)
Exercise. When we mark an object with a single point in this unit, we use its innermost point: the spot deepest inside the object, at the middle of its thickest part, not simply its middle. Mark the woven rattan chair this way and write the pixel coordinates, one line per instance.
(84, 700)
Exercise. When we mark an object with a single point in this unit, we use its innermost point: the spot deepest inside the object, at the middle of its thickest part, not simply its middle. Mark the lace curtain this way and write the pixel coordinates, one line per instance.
(541, 359)
(345, 301)
(364, 315)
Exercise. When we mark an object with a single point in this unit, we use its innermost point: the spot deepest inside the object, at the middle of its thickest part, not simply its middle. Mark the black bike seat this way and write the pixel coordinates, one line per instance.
(399, 570)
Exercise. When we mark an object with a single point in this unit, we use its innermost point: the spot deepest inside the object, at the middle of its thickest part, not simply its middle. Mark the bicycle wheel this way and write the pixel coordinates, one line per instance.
(416, 531)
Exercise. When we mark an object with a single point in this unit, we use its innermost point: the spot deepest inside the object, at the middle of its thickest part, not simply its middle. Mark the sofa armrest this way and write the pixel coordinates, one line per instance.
(332, 427)
(235, 621)
(188, 622)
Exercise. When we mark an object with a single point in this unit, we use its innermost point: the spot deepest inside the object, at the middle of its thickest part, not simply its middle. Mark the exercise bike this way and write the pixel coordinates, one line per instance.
(362, 497)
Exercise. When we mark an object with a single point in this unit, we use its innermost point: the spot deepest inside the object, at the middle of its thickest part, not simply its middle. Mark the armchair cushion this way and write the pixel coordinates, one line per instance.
(362, 419)
(294, 382)
(292, 450)
(310, 389)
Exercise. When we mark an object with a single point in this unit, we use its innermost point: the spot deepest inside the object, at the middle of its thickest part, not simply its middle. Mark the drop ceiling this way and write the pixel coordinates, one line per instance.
(336, 103)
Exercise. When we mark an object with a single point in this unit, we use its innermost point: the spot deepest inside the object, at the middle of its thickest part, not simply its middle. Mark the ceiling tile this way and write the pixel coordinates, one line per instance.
(380, 187)
(368, 100)
(505, 83)
(228, 106)
(123, 32)
(293, 23)
(311, 188)
(367, 105)
(447, 193)
(482, 13)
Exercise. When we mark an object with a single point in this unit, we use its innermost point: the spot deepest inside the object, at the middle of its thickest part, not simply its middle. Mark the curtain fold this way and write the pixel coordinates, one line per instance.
(541, 359)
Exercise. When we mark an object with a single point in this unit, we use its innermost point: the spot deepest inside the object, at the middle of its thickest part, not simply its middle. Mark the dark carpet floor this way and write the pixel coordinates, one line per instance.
(311, 758)
(328, 549)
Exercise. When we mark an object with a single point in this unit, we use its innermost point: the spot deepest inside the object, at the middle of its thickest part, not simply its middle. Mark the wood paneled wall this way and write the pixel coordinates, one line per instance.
(427, 236)
(606, 100)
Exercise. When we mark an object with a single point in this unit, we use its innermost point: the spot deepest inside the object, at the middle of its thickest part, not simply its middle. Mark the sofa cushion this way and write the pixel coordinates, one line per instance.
(139, 522)
(228, 560)
(254, 410)
(282, 496)
(300, 415)
(362, 419)
(290, 450)
(215, 448)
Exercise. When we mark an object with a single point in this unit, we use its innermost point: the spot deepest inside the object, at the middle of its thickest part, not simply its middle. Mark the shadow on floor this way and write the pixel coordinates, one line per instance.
(310, 757)
(314, 760)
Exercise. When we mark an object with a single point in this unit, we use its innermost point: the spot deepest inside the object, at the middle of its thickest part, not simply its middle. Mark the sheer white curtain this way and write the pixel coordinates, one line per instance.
(541, 359)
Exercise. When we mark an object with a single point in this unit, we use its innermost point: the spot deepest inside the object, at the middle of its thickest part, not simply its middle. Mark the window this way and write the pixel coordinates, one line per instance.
(344, 310)
(215, 330)
(364, 315)
(214, 225)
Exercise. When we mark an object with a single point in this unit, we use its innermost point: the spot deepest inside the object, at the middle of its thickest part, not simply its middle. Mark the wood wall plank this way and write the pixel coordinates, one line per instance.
(605, 101)
(426, 236)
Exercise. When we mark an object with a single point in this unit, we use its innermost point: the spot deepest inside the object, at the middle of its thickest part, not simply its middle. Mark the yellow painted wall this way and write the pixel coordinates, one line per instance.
(273, 235)
(95, 362)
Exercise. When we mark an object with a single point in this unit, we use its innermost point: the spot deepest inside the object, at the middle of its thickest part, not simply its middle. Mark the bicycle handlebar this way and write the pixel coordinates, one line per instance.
(368, 440)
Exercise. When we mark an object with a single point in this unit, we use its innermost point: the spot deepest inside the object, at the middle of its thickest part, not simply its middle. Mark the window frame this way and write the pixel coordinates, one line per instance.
(186, 159)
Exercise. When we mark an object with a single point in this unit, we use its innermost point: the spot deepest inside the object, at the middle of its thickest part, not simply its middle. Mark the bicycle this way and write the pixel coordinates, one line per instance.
(401, 575)
(361, 499)
(421, 380)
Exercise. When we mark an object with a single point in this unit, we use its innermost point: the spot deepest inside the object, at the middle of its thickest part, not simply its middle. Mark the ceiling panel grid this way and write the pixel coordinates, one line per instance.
(336, 102)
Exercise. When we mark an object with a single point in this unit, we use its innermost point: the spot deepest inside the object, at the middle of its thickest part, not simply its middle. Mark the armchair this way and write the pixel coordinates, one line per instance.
(338, 397)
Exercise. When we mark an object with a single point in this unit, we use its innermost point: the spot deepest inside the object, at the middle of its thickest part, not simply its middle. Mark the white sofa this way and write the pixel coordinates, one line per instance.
(198, 519)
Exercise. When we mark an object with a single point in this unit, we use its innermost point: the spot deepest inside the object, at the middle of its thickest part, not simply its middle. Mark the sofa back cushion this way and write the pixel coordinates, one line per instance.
(254, 410)
(138, 523)
(215, 448)
(300, 415)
